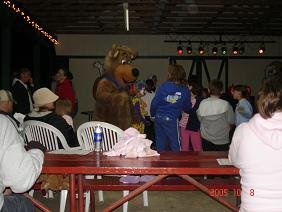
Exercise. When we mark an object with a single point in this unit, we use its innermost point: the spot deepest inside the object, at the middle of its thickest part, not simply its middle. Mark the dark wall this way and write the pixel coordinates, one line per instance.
(62, 62)
(23, 46)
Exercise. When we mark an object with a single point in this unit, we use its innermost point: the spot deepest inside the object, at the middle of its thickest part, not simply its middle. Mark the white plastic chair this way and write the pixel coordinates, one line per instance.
(111, 135)
(49, 137)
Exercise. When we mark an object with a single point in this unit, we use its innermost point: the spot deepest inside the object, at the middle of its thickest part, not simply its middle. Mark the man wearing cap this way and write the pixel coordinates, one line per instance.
(19, 168)
(6, 105)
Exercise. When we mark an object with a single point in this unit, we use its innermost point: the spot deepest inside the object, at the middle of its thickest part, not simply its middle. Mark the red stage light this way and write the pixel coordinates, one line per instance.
(179, 50)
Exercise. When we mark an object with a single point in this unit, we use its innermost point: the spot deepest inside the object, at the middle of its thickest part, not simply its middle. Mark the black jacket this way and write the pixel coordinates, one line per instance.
(60, 123)
(20, 94)
(193, 123)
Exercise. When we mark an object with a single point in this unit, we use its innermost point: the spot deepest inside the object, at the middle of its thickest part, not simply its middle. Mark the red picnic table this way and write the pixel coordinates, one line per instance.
(182, 164)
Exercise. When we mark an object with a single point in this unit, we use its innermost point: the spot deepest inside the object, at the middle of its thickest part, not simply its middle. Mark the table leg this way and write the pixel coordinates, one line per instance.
(134, 193)
(238, 201)
(207, 191)
(80, 193)
(92, 201)
(72, 193)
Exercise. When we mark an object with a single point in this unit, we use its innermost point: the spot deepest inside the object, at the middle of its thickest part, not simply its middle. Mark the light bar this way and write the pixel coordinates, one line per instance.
(126, 15)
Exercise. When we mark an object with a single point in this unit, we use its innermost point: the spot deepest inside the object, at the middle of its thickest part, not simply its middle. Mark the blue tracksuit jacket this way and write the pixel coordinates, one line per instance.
(170, 100)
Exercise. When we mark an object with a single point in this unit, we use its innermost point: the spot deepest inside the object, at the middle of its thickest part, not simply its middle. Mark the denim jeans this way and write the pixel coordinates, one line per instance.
(167, 134)
(17, 203)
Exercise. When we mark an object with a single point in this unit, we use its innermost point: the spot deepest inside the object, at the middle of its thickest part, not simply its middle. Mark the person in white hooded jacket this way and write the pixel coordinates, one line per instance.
(256, 149)
(19, 168)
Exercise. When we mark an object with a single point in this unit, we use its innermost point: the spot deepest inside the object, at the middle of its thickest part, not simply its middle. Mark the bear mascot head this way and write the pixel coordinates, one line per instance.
(112, 100)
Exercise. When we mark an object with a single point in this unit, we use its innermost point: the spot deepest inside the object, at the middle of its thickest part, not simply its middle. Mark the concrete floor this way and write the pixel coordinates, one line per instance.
(159, 201)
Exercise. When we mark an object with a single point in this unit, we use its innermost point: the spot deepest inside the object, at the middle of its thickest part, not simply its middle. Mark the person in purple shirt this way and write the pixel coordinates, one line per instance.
(172, 97)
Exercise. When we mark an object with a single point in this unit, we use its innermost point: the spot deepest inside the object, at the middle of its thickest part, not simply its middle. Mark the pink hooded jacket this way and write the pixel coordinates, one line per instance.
(256, 149)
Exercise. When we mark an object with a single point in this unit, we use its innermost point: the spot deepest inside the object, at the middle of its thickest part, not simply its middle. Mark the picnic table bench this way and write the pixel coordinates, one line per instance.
(217, 186)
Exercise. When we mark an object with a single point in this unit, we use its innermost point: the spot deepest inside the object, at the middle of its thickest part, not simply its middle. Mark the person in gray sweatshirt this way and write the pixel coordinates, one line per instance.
(216, 117)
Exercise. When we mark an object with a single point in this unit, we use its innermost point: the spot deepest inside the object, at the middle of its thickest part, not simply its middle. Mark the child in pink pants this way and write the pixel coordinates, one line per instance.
(189, 123)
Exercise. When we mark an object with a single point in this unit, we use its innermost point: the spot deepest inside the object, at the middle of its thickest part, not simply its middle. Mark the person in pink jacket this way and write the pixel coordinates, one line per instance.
(256, 149)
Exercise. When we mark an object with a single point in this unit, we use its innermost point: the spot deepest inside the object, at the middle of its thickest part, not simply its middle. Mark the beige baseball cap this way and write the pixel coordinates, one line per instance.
(6, 95)
(43, 96)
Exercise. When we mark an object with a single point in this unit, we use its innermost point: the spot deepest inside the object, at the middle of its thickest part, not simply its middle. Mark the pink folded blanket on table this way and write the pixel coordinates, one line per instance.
(132, 145)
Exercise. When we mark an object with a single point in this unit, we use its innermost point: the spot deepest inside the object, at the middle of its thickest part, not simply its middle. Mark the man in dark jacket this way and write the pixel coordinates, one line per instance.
(22, 91)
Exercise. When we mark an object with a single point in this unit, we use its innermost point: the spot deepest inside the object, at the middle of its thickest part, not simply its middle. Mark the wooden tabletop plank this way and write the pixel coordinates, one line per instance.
(166, 163)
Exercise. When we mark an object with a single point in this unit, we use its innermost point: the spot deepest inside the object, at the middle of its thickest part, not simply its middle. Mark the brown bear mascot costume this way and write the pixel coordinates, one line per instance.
(113, 104)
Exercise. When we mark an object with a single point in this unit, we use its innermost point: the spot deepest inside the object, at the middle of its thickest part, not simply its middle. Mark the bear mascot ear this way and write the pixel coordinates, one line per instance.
(114, 51)
(110, 59)
(116, 54)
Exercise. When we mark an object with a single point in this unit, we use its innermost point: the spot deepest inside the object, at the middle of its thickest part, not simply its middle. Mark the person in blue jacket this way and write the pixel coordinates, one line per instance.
(172, 97)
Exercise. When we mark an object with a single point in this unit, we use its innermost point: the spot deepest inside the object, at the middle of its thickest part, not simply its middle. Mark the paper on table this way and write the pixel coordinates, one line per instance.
(224, 162)
(71, 151)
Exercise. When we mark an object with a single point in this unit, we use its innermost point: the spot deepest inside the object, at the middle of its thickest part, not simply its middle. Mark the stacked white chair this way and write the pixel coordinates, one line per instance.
(111, 135)
(49, 137)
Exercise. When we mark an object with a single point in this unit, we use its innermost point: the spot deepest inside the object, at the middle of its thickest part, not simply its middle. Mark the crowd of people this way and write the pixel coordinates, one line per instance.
(178, 115)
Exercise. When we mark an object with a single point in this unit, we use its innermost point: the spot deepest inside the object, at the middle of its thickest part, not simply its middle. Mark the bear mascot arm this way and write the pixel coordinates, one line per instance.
(113, 104)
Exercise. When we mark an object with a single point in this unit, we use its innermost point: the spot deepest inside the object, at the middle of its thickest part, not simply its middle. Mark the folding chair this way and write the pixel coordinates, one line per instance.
(111, 135)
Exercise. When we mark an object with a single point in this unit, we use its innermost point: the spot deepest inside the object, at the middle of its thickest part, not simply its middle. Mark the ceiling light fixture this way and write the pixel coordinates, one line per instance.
(214, 49)
(224, 49)
(179, 49)
(261, 49)
(189, 48)
(126, 15)
(201, 49)
(235, 49)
